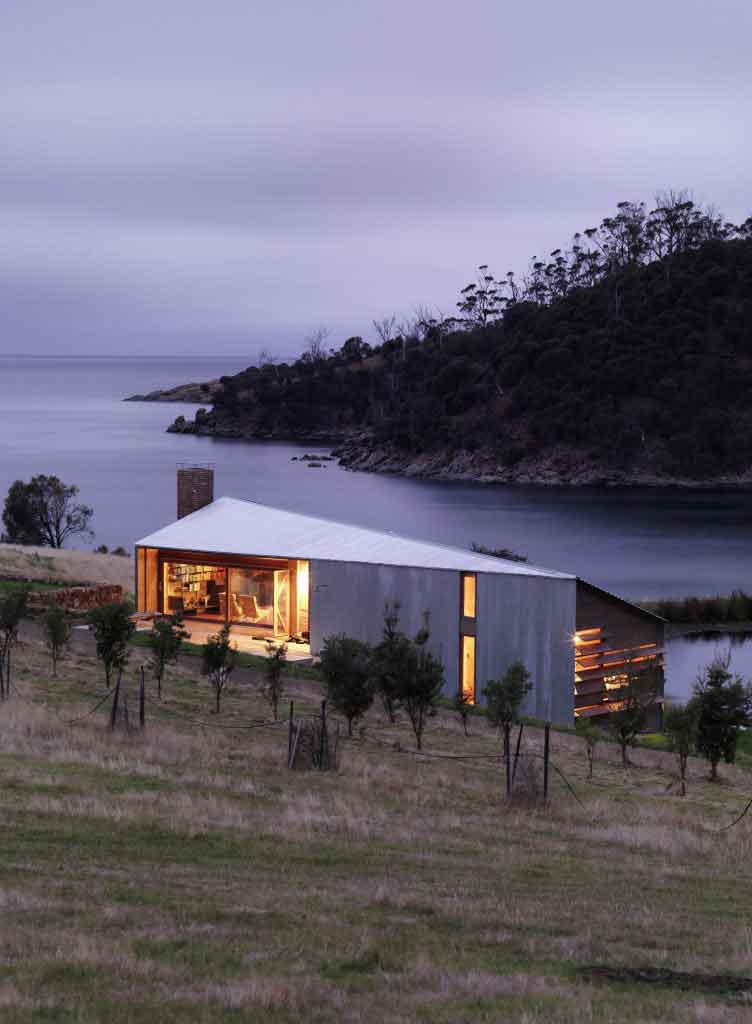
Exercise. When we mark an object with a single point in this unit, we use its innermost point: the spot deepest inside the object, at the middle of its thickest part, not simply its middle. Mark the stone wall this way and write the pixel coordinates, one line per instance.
(77, 599)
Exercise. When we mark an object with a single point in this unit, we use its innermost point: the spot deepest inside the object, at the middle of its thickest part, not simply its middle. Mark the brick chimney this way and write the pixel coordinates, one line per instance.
(195, 488)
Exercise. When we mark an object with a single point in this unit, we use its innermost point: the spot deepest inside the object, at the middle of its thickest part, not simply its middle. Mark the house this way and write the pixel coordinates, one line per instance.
(276, 574)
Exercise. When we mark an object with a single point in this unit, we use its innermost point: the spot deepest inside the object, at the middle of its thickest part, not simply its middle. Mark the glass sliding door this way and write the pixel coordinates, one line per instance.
(261, 598)
(196, 591)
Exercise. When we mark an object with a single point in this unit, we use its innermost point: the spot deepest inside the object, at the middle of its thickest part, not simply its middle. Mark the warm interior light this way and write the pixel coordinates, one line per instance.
(303, 584)
(468, 596)
(468, 668)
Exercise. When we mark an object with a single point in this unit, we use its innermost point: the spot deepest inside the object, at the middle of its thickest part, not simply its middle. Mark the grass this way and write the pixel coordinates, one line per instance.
(184, 874)
(6, 586)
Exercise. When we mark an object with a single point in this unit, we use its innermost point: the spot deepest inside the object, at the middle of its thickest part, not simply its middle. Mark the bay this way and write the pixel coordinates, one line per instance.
(66, 416)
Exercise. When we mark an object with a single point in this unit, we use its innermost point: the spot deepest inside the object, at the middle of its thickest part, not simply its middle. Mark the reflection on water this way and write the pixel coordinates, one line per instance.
(687, 656)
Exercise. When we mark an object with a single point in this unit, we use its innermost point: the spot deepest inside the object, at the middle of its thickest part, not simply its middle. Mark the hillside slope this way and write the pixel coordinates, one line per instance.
(642, 377)
(62, 565)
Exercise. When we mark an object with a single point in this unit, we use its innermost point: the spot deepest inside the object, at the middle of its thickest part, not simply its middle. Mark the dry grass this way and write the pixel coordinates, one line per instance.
(185, 874)
(65, 566)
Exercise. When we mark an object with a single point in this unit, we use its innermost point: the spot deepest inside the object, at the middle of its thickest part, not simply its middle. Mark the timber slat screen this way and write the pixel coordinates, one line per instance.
(602, 665)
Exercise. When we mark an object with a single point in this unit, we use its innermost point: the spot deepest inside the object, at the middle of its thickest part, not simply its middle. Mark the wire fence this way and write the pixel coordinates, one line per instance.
(315, 738)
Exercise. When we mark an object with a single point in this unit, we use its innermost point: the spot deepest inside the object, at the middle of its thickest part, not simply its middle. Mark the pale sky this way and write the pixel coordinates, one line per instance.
(193, 177)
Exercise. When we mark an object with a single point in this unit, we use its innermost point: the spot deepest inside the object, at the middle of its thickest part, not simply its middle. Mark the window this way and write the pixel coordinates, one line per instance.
(468, 668)
(261, 597)
(303, 586)
(195, 590)
(468, 595)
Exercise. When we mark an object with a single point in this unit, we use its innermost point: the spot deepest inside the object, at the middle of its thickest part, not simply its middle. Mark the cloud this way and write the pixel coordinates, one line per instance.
(180, 170)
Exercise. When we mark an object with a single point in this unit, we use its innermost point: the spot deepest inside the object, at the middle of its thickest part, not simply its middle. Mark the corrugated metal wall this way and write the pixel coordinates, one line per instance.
(531, 620)
(348, 597)
(519, 617)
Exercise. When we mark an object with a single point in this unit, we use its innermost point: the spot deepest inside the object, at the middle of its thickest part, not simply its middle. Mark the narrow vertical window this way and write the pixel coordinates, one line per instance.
(303, 584)
(141, 579)
(468, 668)
(468, 595)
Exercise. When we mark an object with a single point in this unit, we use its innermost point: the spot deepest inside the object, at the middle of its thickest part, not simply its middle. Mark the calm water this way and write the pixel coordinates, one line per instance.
(66, 416)
(688, 655)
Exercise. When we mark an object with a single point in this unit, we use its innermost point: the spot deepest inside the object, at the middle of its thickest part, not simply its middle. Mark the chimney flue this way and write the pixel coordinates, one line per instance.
(195, 488)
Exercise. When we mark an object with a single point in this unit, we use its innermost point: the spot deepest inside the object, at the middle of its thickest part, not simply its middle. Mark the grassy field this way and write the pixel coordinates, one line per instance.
(184, 874)
(65, 566)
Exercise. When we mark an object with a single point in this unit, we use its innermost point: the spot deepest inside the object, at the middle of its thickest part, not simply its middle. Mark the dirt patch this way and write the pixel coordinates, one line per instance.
(685, 981)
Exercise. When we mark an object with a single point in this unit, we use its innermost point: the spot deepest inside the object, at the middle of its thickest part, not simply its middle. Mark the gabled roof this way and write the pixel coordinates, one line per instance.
(232, 526)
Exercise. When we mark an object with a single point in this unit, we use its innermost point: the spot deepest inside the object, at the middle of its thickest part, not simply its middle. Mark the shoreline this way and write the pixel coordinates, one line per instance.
(356, 450)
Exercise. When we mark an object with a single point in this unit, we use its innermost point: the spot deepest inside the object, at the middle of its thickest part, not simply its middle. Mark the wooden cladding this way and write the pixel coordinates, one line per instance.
(603, 665)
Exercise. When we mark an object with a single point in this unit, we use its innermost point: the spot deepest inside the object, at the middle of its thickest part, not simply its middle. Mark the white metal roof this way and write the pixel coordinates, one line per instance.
(232, 526)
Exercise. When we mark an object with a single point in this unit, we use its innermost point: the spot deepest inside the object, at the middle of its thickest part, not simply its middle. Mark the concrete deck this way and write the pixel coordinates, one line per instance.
(242, 639)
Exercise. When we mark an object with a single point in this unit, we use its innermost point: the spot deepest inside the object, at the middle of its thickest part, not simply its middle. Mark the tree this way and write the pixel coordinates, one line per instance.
(631, 703)
(504, 696)
(44, 512)
(420, 685)
(482, 301)
(592, 735)
(462, 703)
(386, 328)
(12, 611)
(346, 665)
(272, 686)
(722, 704)
(113, 628)
(680, 727)
(355, 349)
(218, 661)
(19, 517)
(391, 658)
(165, 640)
(314, 351)
(56, 633)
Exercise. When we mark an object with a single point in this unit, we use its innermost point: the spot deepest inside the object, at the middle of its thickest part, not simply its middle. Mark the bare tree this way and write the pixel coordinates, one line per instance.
(386, 328)
(265, 358)
(315, 349)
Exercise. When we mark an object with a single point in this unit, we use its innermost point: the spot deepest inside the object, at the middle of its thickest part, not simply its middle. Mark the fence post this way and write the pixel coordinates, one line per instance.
(142, 700)
(115, 701)
(508, 756)
(517, 750)
(546, 750)
(289, 733)
(323, 735)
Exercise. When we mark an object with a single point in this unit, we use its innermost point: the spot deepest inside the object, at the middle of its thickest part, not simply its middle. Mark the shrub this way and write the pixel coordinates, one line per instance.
(346, 665)
(592, 736)
(272, 685)
(680, 727)
(165, 640)
(722, 704)
(12, 611)
(113, 628)
(504, 696)
(217, 662)
(56, 633)
(631, 704)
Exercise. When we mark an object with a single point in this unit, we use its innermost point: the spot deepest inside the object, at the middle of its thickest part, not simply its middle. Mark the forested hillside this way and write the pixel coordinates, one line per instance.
(627, 358)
